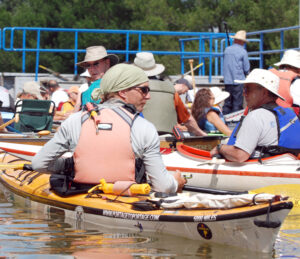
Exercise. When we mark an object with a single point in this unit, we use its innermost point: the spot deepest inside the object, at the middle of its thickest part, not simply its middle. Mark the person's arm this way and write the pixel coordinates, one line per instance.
(49, 159)
(295, 91)
(78, 103)
(231, 153)
(214, 118)
(183, 116)
(246, 63)
(193, 127)
(146, 145)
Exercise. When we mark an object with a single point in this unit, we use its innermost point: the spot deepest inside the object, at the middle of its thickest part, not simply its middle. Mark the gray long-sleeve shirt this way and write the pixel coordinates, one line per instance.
(145, 144)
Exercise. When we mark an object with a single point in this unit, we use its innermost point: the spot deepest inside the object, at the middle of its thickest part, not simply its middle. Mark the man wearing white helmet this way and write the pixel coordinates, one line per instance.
(268, 128)
(289, 84)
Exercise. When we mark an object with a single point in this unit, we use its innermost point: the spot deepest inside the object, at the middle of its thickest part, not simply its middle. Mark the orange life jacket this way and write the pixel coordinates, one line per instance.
(104, 148)
(286, 79)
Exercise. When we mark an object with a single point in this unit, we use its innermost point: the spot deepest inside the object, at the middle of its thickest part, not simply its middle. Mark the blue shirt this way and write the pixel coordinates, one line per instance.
(86, 96)
(236, 64)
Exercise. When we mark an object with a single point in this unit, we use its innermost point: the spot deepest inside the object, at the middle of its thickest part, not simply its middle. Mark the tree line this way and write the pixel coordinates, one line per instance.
(156, 15)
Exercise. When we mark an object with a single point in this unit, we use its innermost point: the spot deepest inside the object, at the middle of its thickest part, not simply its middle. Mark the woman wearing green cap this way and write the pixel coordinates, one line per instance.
(100, 140)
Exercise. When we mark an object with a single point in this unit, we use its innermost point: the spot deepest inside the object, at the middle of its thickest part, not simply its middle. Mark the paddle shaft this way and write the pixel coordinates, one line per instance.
(199, 65)
(210, 191)
(7, 123)
(226, 30)
(193, 77)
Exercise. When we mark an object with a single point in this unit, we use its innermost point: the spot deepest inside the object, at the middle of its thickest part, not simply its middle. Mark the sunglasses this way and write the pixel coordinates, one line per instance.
(87, 65)
(144, 89)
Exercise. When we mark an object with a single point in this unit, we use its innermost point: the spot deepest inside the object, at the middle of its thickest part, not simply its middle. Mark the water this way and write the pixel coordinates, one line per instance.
(27, 234)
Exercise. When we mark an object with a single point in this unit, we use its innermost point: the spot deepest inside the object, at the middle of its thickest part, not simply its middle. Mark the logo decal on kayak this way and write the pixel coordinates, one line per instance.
(204, 231)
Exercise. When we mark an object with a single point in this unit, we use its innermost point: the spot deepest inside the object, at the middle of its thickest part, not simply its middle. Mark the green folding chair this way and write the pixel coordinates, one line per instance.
(34, 115)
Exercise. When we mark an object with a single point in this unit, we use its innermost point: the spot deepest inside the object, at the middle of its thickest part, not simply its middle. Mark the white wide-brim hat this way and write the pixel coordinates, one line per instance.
(95, 53)
(265, 78)
(290, 57)
(146, 61)
(220, 95)
(240, 35)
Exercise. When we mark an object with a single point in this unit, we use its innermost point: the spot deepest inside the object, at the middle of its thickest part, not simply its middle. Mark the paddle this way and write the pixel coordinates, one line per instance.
(199, 65)
(16, 166)
(286, 190)
(7, 123)
(190, 188)
(193, 77)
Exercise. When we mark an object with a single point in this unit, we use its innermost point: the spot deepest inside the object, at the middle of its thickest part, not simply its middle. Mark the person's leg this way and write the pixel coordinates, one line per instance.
(238, 99)
(227, 107)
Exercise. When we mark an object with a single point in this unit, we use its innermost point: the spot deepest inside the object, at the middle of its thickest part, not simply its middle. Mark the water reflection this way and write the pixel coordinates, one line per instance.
(24, 233)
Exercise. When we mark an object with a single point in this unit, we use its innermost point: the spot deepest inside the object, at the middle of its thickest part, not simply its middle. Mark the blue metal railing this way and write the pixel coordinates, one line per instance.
(209, 51)
(74, 49)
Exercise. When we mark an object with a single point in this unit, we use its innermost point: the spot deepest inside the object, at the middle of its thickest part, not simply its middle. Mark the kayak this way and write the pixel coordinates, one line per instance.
(252, 226)
(201, 142)
(27, 145)
(27, 139)
(202, 170)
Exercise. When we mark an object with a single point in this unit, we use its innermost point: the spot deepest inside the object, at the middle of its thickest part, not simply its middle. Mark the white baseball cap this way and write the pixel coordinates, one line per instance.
(265, 78)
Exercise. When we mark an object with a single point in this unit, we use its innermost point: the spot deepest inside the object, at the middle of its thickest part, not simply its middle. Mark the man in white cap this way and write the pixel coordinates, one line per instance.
(267, 129)
(165, 108)
(109, 144)
(289, 84)
(96, 62)
(236, 67)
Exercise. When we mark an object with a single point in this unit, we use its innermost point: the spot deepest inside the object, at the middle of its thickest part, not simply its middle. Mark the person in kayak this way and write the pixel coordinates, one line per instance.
(124, 92)
(96, 62)
(289, 84)
(165, 109)
(208, 113)
(268, 128)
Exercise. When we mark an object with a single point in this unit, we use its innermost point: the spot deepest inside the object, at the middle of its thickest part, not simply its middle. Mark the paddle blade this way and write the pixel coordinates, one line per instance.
(290, 190)
(15, 166)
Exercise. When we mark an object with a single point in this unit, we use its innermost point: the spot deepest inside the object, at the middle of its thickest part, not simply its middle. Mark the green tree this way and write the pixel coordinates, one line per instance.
(157, 15)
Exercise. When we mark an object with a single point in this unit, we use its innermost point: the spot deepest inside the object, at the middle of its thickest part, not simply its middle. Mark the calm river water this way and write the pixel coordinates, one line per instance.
(27, 234)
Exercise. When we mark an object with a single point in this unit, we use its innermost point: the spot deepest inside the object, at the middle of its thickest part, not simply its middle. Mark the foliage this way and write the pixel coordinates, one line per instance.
(156, 15)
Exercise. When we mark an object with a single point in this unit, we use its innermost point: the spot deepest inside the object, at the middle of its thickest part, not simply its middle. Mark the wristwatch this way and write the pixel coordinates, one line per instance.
(219, 147)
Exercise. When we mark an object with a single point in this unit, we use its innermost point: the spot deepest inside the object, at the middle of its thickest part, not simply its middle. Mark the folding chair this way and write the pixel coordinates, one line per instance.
(34, 115)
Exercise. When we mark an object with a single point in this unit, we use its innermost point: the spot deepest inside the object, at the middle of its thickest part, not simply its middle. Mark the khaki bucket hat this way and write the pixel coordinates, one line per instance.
(240, 35)
(95, 53)
(265, 78)
(33, 88)
(146, 61)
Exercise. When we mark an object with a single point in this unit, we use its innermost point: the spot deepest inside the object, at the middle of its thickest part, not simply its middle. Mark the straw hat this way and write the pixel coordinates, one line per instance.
(240, 35)
(33, 88)
(146, 61)
(290, 57)
(95, 53)
(263, 77)
(85, 74)
(220, 95)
